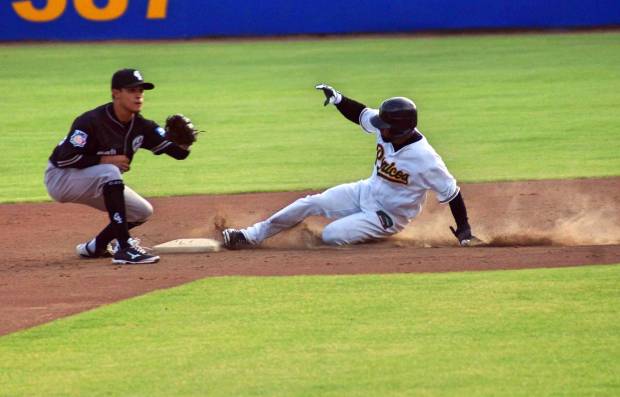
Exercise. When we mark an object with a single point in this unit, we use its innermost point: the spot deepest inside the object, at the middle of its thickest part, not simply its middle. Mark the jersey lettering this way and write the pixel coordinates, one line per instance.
(380, 152)
(110, 152)
(391, 173)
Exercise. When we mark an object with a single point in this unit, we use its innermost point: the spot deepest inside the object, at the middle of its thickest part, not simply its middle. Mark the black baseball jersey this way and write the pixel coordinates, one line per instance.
(99, 133)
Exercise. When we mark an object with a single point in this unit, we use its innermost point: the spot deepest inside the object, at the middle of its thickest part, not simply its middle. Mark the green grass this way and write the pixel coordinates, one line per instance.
(495, 107)
(530, 332)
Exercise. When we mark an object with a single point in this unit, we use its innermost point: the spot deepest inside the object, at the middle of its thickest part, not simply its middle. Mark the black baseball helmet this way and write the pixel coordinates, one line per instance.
(398, 113)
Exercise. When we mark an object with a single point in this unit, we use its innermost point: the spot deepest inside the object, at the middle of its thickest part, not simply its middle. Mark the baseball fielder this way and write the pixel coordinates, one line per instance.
(87, 166)
(406, 167)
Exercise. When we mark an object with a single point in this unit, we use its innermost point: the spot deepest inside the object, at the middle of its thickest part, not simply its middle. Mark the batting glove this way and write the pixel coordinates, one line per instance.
(331, 95)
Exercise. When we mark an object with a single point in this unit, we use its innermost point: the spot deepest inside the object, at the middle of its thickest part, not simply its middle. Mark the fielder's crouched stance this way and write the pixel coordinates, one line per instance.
(406, 167)
(86, 167)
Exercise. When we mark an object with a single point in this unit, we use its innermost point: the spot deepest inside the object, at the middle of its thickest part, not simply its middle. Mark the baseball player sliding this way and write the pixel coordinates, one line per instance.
(87, 166)
(406, 167)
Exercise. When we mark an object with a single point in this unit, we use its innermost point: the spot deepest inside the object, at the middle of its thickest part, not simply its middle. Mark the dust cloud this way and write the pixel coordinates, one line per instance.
(534, 213)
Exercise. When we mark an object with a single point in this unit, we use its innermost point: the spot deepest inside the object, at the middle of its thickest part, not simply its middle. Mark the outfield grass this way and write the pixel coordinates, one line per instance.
(495, 107)
(529, 332)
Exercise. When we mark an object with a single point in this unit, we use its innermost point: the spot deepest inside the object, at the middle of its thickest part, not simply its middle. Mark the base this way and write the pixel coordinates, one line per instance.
(188, 245)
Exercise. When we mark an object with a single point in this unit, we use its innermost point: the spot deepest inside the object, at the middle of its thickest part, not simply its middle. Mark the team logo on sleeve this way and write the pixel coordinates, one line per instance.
(137, 142)
(78, 138)
(160, 131)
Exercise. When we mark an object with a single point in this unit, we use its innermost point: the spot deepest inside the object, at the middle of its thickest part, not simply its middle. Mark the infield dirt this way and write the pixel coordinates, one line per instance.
(528, 225)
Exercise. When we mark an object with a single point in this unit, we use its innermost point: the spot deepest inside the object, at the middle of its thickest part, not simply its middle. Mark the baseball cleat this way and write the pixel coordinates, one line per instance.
(113, 246)
(83, 251)
(234, 239)
(134, 254)
(472, 242)
(131, 255)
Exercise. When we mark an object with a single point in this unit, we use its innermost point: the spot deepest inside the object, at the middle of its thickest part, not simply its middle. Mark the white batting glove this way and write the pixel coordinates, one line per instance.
(331, 95)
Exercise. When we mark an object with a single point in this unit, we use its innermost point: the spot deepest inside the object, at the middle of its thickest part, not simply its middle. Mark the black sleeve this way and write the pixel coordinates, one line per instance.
(457, 206)
(350, 109)
(175, 151)
(78, 148)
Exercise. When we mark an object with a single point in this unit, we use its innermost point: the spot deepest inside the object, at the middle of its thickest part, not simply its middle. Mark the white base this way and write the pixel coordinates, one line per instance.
(189, 245)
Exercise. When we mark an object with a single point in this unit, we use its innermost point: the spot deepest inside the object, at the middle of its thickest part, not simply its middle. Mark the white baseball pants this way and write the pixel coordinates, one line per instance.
(352, 206)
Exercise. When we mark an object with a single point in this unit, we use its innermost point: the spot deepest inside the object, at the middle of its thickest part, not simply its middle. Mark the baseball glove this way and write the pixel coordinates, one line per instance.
(180, 130)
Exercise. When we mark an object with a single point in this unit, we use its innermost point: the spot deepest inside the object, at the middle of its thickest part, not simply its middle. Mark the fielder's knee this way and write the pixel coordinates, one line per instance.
(147, 212)
(142, 214)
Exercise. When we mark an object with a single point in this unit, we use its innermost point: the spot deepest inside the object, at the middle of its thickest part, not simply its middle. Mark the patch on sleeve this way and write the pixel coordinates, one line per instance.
(160, 131)
(137, 143)
(78, 138)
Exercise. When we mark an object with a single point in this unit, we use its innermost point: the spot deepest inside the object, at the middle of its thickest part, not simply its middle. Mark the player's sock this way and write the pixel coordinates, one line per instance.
(108, 234)
(115, 204)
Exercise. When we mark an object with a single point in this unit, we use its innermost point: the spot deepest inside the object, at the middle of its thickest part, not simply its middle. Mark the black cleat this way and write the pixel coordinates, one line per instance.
(234, 239)
(83, 251)
(134, 254)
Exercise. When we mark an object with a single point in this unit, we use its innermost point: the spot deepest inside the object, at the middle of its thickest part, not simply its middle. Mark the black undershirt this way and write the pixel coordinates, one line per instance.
(416, 136)
(351, 109)
(459, 212)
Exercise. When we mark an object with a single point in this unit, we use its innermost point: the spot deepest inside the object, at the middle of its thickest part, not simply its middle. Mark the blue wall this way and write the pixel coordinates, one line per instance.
(200, 18)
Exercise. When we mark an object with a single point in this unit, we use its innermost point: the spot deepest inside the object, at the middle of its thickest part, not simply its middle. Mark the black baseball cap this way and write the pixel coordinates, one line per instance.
(128, 78)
